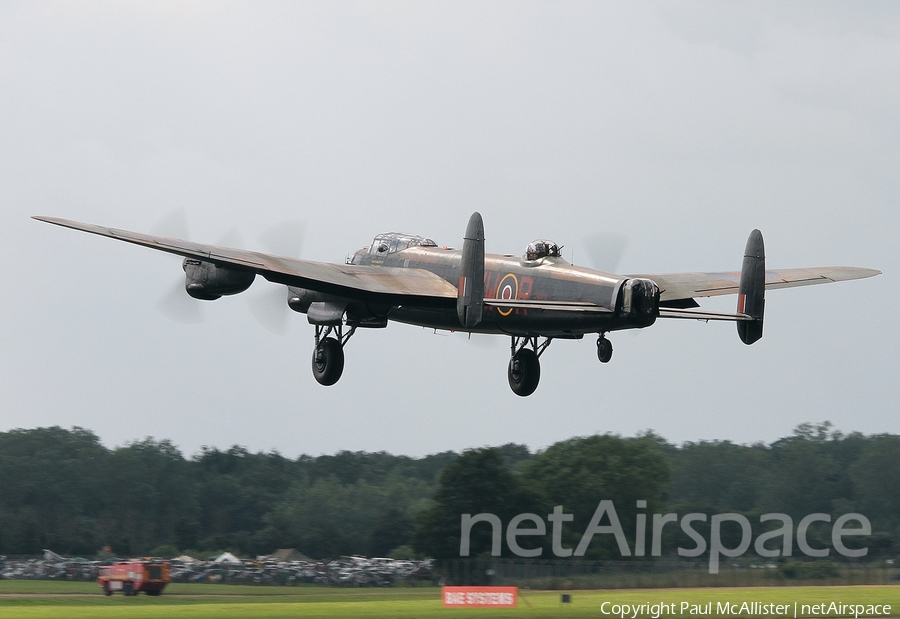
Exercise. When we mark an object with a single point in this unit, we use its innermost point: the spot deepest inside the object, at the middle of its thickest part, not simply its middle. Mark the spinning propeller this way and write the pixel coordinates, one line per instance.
(605, 250)
(267, 303)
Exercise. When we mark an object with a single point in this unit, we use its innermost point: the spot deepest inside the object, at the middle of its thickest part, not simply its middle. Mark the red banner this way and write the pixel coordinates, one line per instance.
(480, 597)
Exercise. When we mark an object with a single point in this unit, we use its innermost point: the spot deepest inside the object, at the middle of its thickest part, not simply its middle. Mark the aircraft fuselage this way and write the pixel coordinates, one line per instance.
(509, 277)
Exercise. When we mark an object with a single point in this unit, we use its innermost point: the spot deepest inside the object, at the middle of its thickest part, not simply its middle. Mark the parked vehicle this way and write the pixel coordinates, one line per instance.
(132, 577)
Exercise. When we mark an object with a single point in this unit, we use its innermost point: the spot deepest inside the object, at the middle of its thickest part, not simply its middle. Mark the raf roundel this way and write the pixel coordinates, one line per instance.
(507, 289)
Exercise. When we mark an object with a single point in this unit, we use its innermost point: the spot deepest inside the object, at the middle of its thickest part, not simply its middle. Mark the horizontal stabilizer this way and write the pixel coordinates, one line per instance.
(697, 314)
(549, 306)
(676, 286)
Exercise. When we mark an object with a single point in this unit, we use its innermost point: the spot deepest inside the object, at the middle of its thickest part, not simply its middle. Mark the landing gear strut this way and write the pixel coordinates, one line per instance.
(328, 355)
(604, 348)
(524, 370)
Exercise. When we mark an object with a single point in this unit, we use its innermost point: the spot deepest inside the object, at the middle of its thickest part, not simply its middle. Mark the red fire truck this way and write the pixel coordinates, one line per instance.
(131, 577)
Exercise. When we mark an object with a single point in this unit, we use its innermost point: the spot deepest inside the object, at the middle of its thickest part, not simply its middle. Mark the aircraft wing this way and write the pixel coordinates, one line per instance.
(387, 284)
(680, 286)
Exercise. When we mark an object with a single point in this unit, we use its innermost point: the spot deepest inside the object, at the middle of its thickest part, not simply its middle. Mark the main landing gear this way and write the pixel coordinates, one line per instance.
(524, 370)
(604, 348)
(328, 355)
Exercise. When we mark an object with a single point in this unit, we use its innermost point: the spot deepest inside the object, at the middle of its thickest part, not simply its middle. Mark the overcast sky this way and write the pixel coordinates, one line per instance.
(680, 125)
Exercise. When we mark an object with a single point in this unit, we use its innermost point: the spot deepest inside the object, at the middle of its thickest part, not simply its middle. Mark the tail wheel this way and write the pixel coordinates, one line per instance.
(524, 372)
(328, 361)
(604, 349)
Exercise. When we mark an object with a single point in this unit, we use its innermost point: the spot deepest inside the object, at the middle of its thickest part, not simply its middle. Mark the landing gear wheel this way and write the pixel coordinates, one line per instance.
(106, 589)
(328, 361)
(604, 349)
(524, 372)
(128, 589)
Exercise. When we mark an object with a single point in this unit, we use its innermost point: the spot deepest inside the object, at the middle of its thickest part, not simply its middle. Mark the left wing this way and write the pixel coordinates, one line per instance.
(681, 286)
(384, 284)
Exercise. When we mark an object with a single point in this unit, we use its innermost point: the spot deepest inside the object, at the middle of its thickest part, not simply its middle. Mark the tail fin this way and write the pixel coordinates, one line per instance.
(752, 289)
(470, 299)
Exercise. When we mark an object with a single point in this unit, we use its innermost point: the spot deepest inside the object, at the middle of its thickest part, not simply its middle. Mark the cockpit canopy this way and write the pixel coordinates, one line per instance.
(542, 249)
(389, 242)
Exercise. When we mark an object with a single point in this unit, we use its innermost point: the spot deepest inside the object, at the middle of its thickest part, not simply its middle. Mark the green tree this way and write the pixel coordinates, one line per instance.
(149, 490)
(718, 476)
(50, 490)
(876, 478)
(809, 472)
(394, 528)
(478, 481)
(580, 472)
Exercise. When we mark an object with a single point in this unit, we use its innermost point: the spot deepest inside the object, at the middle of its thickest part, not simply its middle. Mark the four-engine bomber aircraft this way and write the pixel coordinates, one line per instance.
(534, 299)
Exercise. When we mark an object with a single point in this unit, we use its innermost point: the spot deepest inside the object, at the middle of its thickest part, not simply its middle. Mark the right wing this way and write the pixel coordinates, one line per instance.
(392, 285)
(680, 286)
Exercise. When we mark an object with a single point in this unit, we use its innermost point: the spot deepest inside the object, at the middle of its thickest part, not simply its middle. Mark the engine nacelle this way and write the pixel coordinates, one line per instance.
(209, 281)
(299, 299)
(639, 301)
(328, 309)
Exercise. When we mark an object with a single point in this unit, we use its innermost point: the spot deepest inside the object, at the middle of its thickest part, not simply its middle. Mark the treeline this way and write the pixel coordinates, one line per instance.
(814, 471)
(62, 489)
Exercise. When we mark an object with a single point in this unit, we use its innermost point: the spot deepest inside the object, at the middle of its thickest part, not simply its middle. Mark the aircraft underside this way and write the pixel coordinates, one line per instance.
(559, 326)
(523, 371)
(530, 335)
(532, 299)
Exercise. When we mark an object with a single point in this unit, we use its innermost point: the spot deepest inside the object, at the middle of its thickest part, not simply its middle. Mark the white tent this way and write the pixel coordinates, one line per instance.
(52, 557)
(288, 555)
(227, 557)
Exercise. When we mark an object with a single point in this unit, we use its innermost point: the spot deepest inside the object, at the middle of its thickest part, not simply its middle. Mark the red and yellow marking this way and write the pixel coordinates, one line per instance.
(507, 289)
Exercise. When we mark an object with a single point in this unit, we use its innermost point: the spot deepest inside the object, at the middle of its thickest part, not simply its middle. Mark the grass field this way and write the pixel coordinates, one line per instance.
(40, 599)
